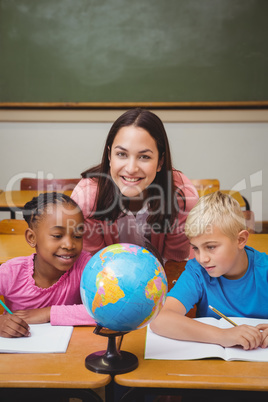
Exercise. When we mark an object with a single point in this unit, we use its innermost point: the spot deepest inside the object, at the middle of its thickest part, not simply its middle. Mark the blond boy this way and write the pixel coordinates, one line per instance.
(225, 273)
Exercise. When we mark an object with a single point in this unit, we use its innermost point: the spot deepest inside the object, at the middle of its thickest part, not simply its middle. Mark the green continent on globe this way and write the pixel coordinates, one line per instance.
(108, 290)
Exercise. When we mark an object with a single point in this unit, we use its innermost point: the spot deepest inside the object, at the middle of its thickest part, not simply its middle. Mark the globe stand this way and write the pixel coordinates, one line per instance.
(112, 361)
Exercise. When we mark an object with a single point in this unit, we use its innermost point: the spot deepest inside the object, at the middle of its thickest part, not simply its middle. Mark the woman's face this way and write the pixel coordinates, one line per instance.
(134, 160)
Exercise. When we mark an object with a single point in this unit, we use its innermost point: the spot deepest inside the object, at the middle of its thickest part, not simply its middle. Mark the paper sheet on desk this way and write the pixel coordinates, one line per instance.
(162, 348)
(44, 338)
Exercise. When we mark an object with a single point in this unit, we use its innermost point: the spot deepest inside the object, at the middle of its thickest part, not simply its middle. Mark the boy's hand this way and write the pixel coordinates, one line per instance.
(245, 335)
(264, 329)
(34, 316)
(13, 327)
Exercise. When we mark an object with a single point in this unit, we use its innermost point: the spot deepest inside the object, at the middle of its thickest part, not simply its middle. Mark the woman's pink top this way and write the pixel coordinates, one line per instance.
(98, 234)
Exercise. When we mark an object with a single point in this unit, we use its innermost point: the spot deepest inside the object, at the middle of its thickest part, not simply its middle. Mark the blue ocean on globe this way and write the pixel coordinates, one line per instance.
(123, 287)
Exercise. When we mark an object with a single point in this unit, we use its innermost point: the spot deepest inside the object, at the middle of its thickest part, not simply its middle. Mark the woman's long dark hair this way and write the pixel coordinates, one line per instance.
(107, 205)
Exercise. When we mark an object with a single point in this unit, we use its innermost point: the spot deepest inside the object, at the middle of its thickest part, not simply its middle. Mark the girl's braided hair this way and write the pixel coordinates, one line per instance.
(35, 208)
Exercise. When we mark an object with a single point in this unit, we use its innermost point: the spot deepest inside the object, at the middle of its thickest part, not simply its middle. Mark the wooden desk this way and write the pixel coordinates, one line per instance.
(13, 201)
(58, 370)
(259, 242)
(12, 246)
(208, 374)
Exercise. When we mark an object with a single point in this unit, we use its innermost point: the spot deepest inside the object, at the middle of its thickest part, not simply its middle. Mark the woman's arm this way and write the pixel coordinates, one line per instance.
(93, 239)
(84, 195)
(171, 322)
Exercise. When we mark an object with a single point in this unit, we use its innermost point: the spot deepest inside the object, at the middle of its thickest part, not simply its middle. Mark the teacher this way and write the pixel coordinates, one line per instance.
(134, 195)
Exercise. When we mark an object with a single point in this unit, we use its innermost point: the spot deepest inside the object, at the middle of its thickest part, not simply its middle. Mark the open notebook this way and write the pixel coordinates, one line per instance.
(159, 347)
(44, 338)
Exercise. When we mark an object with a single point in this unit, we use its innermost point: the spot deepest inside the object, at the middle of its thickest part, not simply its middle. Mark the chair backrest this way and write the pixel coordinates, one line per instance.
(206, 186)
(173, 271)
(250, 221)
(48, 185)
(13, 226)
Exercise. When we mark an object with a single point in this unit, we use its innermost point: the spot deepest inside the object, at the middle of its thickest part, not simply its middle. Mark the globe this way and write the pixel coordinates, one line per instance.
(123, 287)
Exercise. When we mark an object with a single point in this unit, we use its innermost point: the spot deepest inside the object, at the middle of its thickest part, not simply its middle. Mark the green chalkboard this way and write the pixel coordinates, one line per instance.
(104, 52)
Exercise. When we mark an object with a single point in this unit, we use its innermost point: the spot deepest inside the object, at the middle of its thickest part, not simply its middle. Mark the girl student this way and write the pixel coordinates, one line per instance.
(135, 195)
(45, 286)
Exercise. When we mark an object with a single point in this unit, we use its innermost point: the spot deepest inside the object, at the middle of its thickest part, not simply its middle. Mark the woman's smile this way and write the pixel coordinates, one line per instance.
(131, 179)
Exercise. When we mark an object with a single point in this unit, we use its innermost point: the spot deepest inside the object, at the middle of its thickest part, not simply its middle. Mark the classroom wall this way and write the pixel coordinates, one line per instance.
(234, 150)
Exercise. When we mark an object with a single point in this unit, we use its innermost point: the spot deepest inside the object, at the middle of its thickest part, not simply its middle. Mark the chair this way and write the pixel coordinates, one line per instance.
(173, 271)
(9, 227)
(206, 186)
(13, 226)
(61, 185)
(250, 221)
(238, 197)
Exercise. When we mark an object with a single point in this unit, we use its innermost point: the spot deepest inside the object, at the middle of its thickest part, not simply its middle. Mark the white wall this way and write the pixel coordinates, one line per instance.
(234, 152)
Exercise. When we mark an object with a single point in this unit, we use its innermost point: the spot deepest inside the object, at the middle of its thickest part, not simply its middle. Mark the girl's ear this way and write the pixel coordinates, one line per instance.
(30, 237)
(109, 155)
(160, 163)
(242, 238)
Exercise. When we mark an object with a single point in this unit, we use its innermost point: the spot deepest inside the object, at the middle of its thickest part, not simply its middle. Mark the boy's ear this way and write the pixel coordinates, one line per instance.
(242, 238)
(30, 237)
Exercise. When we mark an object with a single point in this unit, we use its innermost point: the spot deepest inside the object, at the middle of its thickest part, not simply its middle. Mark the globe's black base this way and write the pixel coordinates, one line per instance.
(101, 362)
(112, 361)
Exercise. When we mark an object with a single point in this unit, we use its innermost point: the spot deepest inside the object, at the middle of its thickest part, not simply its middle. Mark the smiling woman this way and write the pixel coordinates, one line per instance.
(135, 195)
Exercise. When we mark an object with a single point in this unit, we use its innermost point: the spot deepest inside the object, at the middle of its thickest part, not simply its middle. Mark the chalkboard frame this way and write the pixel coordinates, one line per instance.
(126, 105)
(213, 54)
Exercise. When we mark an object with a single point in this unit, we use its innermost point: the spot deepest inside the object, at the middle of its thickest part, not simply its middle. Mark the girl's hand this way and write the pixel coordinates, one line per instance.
(264, 329)
(244, 335)
(34, 316)
(13, 327)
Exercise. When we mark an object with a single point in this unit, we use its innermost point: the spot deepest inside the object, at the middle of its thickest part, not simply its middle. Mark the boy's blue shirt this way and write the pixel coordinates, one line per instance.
(243, 297)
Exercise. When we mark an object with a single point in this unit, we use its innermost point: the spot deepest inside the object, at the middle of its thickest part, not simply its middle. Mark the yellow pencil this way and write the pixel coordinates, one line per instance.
(5, 307)
(223, 316)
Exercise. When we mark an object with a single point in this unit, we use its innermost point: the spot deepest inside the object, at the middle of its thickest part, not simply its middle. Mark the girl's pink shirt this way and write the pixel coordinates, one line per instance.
(98, 234)
(20, 292)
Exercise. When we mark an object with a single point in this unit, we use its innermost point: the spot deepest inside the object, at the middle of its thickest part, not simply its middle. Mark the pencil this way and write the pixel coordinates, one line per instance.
(223, 316)
(5, 307)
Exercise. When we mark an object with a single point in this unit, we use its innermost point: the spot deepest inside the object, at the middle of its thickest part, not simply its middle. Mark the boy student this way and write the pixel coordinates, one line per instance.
(225, 273)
